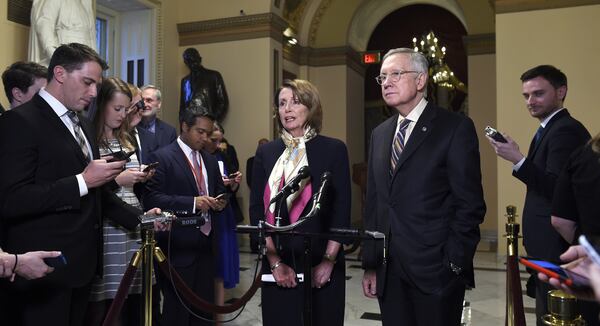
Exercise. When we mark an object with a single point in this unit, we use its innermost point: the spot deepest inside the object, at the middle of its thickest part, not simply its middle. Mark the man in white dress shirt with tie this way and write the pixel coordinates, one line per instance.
(52, 195)
(188, 179)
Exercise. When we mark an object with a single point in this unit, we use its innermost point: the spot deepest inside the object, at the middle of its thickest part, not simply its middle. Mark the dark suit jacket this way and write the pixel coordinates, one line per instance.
(164, 134)
(40, 204)
(232, 157)
(231, 167)
(432, 206)
(540, 170)
(249, 165)
(147, 145)
(173, 187)
(324, 154)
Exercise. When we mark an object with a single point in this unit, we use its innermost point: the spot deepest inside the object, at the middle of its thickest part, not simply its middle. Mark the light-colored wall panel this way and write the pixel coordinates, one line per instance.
(482, 109)
(195, 10)
(342, 98)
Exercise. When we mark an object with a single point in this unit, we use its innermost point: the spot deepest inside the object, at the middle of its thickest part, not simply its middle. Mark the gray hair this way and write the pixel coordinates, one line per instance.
(418, 61)
(157, 93)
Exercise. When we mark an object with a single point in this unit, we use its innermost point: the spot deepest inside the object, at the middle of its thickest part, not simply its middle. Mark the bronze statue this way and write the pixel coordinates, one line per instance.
(204, 86)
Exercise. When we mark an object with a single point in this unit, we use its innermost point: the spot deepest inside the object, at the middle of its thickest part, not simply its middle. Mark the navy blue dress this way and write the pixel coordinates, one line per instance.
(228, 257)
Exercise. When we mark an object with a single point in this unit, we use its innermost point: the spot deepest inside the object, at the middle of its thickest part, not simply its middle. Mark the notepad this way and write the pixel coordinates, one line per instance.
(270, 278)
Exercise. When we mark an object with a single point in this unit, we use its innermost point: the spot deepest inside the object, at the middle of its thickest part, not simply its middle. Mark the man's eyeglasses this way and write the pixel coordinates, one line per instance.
(394, 76)
(139, 105)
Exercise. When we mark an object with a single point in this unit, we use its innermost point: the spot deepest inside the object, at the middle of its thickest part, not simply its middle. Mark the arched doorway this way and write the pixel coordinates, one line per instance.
(397, 29)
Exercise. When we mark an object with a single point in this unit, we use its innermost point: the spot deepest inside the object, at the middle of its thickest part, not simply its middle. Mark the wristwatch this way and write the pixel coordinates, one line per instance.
(455, 268)
(329, 258)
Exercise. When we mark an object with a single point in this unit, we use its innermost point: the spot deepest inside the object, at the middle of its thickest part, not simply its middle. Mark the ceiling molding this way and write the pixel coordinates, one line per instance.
(508, 6)
(316, 21)
(321, 57)
(480, 43)
(232, 29)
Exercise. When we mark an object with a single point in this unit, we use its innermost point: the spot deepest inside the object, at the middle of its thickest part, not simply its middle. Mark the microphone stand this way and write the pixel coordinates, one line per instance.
(289, 230)
(278, 221)
(339, 234)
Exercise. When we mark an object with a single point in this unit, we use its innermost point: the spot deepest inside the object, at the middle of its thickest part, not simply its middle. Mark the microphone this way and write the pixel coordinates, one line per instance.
(353, 232)
(316, 199)
(179, 217)
(293, 185)
(325, 180)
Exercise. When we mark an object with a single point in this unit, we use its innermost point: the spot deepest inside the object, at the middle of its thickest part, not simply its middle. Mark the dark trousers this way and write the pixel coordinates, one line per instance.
(38, 304)
(130, 312)
(405, 305)
(283, 306)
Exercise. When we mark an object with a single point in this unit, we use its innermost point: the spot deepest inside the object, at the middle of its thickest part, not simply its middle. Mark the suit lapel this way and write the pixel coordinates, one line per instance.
(419, 133)
(388, 133)
(57, 124)
(532, 148)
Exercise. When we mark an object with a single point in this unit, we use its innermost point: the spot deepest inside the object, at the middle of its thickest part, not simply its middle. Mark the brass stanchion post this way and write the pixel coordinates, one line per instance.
(515, 314)
(563, 310)
(148, 247)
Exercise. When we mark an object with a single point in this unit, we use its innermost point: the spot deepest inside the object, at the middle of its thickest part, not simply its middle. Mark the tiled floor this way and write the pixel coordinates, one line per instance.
(486, 303)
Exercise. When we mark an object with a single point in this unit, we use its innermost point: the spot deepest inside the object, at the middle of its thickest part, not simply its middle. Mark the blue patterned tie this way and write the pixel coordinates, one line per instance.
(398, 145)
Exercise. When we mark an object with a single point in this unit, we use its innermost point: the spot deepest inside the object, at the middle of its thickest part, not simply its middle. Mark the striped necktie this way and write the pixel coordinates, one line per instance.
(206, 227)
(398, 145)
(79, 134)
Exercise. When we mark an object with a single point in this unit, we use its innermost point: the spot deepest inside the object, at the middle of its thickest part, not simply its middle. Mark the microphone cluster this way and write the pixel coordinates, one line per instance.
(293, 185)
(181, 218)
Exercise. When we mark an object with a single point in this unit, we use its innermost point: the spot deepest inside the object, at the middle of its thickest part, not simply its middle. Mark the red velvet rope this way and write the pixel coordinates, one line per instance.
(117, 304)
(202, 304)
(513, 286)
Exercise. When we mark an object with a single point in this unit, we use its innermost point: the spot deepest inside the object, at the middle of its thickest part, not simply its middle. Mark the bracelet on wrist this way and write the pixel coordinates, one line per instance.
(15, 265)
(277, 264)
(329, 258)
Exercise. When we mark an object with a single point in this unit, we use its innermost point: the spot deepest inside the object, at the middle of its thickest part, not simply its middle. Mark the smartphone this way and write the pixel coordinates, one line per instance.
(494, 134)
(224, 196)
(150, 167)
(56, 262)
(591, 246)
(233, 175)
(120, 156)
(139, 105)
(555, 271)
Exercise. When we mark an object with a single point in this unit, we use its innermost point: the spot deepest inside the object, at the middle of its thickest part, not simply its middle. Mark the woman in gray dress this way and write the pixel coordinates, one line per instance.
(114, 101)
